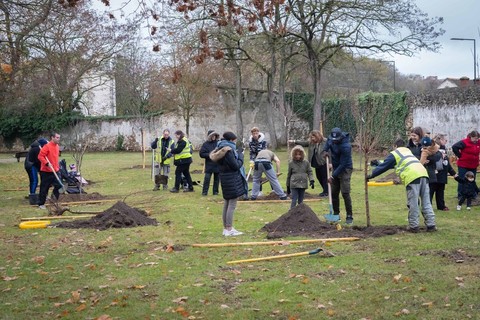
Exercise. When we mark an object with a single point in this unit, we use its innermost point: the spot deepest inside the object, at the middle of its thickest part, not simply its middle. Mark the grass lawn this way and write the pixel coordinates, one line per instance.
(132, 273)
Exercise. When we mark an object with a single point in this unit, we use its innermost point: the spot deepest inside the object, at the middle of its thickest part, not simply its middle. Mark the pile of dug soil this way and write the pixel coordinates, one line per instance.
(302, 221)
(120, 215)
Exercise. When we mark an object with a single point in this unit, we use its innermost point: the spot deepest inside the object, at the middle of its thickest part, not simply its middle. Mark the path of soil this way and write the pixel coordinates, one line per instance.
(74, 197)
(302, 221)
(120, 215)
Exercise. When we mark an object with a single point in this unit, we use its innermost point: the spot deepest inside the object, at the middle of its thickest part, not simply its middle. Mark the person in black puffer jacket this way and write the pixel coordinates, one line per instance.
(211, 167)
(437, 188)
(231, 179)
(32, 166)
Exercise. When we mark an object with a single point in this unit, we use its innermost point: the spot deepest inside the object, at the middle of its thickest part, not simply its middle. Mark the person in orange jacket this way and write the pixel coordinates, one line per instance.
(49, 163)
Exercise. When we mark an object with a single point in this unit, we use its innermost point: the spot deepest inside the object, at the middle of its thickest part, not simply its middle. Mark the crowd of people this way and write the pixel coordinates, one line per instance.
(422, 164)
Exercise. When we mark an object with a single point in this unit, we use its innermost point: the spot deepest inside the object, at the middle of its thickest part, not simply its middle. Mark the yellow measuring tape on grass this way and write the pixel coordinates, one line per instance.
(380, 184)
(36, 224)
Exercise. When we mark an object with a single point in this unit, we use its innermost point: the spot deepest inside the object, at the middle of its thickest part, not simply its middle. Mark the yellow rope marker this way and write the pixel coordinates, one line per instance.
(380, 184)
(266, 243)
(56, 217)
(33, 224)
(277, 257)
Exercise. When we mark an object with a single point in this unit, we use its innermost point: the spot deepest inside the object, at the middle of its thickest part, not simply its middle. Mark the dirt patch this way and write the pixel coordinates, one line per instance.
(302, 221)
(390, 177)
(458, 255)
(120, 215)
(74, 197)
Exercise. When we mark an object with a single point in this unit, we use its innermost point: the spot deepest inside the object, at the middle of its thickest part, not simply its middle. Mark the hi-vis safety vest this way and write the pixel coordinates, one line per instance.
(186, 152)
(158, 151)
(408, 167)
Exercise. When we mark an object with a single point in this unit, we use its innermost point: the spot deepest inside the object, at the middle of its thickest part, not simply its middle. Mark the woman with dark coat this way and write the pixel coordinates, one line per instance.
(231, 179)
(210, 166)
(415, 141)
(32, 166)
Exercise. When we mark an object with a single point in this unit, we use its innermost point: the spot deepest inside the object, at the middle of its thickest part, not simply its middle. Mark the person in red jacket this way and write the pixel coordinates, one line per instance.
(468, 154)
(48, 157)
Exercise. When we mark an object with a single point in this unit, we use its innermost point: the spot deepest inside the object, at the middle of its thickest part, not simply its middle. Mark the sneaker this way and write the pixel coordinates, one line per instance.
(225, 231)
(459, 208)
(253, 198)
(445, 209)
(232, 233)
(431, 228)
(260, 194)
(156, 188)
(174, 190)
(188, 190)
(165, 187)
(468, 208)
(349, 220)
(283, 198)
(323, 194)
(413, 229)
(216, 194)
(42, 207)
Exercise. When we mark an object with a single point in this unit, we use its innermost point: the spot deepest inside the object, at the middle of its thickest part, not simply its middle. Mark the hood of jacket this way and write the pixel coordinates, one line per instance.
(261, 137)
(296, 149)
(219, 153)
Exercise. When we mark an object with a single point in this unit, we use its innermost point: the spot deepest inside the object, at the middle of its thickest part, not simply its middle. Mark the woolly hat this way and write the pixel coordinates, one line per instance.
(42, 141)
(336, 134)
(229, 136)
(426, 141)
(210, 132)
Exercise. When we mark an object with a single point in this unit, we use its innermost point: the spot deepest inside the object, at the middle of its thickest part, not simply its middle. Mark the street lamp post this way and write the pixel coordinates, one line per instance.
(474, 55)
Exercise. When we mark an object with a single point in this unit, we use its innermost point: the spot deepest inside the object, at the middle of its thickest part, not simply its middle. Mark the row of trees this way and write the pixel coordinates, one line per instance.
(279, 46)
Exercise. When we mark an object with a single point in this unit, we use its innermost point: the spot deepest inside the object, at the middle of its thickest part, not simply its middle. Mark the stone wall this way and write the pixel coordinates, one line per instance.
(102, 135)
(453, 111)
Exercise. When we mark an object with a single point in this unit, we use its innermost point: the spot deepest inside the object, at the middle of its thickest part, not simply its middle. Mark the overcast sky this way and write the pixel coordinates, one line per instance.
(455, 59)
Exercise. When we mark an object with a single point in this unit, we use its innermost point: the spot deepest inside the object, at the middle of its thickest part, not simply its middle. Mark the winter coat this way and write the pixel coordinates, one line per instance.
(340, 153)
(31, 160)
(51, 151)
(314, 150)
(431, 166)
(207, 147)
(467, 189)
(299, 172)
(415, 148)
(255, 146)
(162, 153)
(467, 153)
(231, 179)
(178, 149)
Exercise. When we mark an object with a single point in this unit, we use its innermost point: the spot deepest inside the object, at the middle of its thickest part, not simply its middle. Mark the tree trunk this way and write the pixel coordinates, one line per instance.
(238, 102)
(271, 97)
(318, 112)
(367, 203)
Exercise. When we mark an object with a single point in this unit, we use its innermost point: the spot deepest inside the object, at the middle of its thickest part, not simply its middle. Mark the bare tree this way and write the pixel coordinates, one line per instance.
(372, 131)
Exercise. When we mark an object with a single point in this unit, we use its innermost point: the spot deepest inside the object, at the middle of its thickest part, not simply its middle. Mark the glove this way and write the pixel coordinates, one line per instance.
(288, 190)
(252, 164)
(324, 154)
(312, 184)
(156, 139)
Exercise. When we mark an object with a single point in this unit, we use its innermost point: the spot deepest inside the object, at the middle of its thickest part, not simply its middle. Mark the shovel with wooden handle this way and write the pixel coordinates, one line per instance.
(330, 217)
(62, 187)
(277, 257)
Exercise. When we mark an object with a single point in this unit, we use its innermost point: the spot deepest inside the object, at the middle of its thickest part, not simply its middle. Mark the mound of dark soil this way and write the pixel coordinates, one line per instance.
(302, 221)
(120, 215)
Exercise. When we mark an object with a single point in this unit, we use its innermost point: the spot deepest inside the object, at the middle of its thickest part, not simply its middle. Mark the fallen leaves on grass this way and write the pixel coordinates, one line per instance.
(38, 259)
(7, 278)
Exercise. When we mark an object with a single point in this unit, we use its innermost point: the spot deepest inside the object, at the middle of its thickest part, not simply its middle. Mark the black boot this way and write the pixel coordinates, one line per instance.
(33, 199)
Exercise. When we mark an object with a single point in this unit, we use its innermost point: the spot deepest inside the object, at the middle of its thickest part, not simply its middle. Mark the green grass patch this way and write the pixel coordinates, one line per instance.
(128, 273)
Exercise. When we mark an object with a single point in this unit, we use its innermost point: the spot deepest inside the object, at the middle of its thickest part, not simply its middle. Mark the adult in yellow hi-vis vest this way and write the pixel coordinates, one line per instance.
(182, 158)
(162, 159)
(415, 178)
